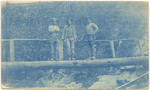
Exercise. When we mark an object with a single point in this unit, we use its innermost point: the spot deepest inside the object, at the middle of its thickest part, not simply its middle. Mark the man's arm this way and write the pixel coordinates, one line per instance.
(74, 32)
(95, 27)
(50, 29)
(75, 35)
(64, 33)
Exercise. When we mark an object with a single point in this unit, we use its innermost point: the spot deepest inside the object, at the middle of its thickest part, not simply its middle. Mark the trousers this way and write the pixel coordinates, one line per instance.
(55, 49)
(70, 47)
(91, 42)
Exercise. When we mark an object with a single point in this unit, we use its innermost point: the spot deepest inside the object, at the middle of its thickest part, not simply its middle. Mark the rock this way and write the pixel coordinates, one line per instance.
(105, 82)
(67, 79)
(121, 82)
(74, 85)
(127, 76)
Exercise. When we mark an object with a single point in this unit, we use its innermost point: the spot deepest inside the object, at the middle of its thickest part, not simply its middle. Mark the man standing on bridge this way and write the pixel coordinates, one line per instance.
(69, 36)
(91, 30)
(54, 35)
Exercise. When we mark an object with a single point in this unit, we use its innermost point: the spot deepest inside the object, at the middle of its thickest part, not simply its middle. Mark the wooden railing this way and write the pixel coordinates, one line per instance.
(111, 43)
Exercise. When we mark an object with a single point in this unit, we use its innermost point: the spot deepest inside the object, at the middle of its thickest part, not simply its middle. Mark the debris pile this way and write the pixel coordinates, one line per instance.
(93, 78)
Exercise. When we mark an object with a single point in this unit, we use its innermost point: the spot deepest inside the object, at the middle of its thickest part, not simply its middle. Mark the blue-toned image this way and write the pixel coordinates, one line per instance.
(75, 45)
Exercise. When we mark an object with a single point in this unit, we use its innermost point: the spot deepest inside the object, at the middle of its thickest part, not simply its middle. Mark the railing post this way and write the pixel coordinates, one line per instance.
(112, 48)
(60, 50)
(12, 50)
(141, 49)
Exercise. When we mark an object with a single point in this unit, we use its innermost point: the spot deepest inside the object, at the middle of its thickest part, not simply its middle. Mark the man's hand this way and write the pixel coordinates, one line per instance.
(75, 39)
(95, 27)
(62, 38)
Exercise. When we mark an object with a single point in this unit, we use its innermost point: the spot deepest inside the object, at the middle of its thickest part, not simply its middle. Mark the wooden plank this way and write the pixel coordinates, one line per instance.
(12, 50)
(140, 47)
(113, 49)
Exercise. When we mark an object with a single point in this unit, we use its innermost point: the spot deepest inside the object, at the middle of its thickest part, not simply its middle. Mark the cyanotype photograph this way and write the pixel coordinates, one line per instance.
(75, 44)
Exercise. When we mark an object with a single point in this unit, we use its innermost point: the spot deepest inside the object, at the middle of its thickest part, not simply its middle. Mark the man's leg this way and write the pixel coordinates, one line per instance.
(54, 55)
(57, 46)
(72, 49)
(92, 45)
(93, 50)
(68, 49)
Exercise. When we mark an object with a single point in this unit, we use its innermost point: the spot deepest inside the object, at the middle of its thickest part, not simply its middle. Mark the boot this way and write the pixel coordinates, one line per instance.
(72, 56)
(92, 58)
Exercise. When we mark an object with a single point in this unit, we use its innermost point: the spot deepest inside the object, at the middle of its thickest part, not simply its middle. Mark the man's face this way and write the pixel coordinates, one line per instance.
(89, 21)
(54, 22)
(69, 22)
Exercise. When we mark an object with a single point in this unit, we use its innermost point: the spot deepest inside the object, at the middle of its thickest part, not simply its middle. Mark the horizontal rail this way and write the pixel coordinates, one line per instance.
(111, 42)
(115, 62)
(83, 40)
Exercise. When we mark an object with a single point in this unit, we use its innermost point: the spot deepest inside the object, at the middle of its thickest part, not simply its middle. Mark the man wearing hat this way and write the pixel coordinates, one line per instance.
(91, 30)
(54, 39)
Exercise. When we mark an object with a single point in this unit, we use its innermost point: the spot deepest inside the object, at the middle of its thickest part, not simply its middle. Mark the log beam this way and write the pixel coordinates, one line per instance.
(114, 62)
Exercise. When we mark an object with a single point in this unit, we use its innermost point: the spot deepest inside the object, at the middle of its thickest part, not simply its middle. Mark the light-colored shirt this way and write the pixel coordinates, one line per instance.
(53, 28)
(92, 28)
(69, 32)
(54, 32)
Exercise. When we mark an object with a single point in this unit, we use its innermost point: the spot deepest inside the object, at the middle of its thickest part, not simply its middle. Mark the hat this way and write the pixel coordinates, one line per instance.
(54, 19)
(87, 17)
(70, 20)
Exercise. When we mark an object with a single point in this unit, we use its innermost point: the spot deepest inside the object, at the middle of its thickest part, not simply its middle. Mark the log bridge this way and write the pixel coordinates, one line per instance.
(111, 62)
(142, 60)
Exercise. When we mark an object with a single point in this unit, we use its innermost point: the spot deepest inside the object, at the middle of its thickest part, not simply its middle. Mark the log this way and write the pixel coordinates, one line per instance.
(110, 62)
